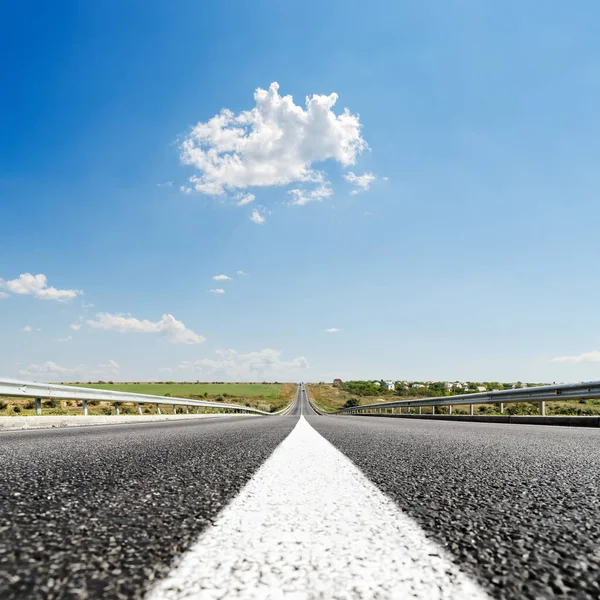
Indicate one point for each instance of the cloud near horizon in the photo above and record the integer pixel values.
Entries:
(593, 356)
(242, 366)
(52, 370)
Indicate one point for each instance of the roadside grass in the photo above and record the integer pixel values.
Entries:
(330, 398)
(270, 397)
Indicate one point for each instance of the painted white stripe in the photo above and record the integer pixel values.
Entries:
(309, 525)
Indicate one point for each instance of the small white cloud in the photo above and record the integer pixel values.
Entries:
(77, 325)
(241, 273)
(593, 356)
(368, 214)
(217, 291)
(85, 305)
(275, 143)
(65, 339)
(302, 197)
(332, 330)
(165, 184)
(185, 190)
(168, 325)
(386, 178)
(37, 285)
(361, 182)
(244, 199)
(4, 295)
(29, 329)
(221, 278)
(256, 217)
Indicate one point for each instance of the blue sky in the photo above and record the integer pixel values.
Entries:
(464, 245)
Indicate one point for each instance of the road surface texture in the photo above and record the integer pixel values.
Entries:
(261, 507)
(100, 512)
(517, 506)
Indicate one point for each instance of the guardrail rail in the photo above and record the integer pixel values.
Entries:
(539, 395)
(38, 391)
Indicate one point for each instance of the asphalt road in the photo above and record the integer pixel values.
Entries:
(100, 512)
(103, 512)
(517, 506)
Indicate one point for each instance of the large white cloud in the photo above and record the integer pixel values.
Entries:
(167, 325)
(37, 285)
(243, 366)
(593, 356)
(275, 143)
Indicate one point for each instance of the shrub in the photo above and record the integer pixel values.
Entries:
(50, 403)
(3, 404)
(351, 403)
(17, 409)
(106, 410)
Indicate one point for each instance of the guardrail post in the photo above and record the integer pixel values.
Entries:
(174, 409)
(187, 410)
(420, 410)
(157, 409)
(450, 410)
(543, 408)
(117, 409)
(433, 410)
(84, 408)
(501, 408)
(471, 409)
(38, 406)
(139, 408)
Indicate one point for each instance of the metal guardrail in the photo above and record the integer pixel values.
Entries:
(540, 394)
(25, 389)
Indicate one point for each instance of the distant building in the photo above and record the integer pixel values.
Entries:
(481, 388)
(337, 381)
(390, 385)
(376, 383)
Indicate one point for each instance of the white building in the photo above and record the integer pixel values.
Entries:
(390, 385)
(481, 388)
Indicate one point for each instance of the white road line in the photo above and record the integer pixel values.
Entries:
(310, 525)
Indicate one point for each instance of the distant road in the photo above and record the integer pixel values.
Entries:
(226, 507)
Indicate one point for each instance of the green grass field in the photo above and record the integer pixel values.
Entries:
(267, 391)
